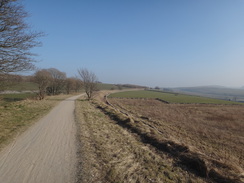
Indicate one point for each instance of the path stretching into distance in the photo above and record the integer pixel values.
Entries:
(46, 152)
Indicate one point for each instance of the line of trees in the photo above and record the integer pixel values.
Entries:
(53, 82)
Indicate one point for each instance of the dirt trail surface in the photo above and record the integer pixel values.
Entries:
(46, 152)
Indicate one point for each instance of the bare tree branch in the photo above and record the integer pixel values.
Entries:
(43, 79)
(89, 82)
(57, 82)
(16, 39)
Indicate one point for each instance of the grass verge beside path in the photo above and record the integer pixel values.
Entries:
(17, 116)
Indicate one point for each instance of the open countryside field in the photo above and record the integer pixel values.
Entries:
(208, 140)
(106, 86)
(22, 86)
(11, 97)
(170, 97)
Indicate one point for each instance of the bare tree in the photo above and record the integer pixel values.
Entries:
(78, 84)
(16, 39)
(73, 84)
(43, 79)
(70, 85)
(89, 82)
(57, 82)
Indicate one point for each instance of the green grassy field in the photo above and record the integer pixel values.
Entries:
(23, 86)
(13, 97)
(105, 86)
(171, 97)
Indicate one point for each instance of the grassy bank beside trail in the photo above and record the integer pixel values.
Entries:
(17, 113)
(171, 97)
(110, 152)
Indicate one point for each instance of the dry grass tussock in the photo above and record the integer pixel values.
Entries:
(212, 133)
(111, 152)
(15, 117)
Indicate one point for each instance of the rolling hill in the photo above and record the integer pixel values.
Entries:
(233, 94)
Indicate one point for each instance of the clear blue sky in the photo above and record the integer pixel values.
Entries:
(166, 43)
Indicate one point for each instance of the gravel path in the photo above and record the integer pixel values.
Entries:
(46, 152)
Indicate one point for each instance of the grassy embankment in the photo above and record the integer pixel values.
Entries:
(213, 134)
(19, 111)
(112, 152)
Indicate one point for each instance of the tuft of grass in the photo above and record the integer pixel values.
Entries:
(170, 97)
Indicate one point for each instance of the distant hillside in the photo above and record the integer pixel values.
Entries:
(106, 86)
(132, 86)
(214, 92)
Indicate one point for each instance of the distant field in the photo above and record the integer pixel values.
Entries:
(214, 92)
(23, 86)
(170, 97)
(15, 97)
(104, 86)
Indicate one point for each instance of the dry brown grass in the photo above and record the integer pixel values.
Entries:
(215, 133)
(111, 152)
